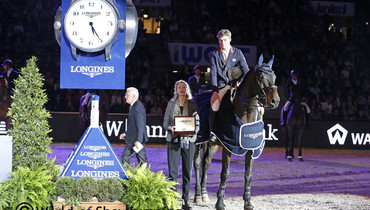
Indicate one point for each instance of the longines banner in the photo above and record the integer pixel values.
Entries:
(93, 45)
(198, 54)
(94, 157)
(321, 134)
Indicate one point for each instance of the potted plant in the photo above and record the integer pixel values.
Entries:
(26, 187)
(87, 192)
(110, 189)
(33, 178)
(146, 189)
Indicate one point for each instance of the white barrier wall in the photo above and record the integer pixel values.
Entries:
(6, 156)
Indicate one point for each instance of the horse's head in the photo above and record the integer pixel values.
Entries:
(265, 76)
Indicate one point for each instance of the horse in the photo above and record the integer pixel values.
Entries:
(85, 112)
(295, 126)
(256, 90)
(5, 101)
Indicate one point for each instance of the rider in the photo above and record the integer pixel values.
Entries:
(221, 61)
(295, 91)
(9, 74)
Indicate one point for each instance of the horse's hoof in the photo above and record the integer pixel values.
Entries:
(220, 204)
(248, 207)
(198, 199)
(205, 198)
(289, 158)
(220, 207)
(300, 158)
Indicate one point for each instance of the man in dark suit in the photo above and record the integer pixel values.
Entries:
(196, 81)
(9, 74)
(135, 135)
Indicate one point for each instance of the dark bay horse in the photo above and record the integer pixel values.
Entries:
(5, 101)
(295, 127)
(256, 90)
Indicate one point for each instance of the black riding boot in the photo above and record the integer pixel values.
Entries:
(307, 120)
(283, 116)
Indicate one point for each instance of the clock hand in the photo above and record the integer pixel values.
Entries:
(93, 30)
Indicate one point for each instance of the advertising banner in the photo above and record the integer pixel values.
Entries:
(94, 157)
(198, 54)
(334, 8)
(321, 134)
(92, 45)
(152, 3)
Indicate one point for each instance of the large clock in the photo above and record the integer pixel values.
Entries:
(93, 25)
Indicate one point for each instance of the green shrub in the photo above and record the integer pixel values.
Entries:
(149, 190)
(31, 143)
(4, 200)
(110, 189)
(87, 188)
(66, 187)
(33, 187)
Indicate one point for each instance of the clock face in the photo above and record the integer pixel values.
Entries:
(90, 25)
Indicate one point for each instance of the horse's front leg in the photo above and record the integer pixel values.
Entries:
(210, 150)
(300, 133)
(198, 156)
(248, 179)
(291, 144)
(226, 157)
(286, 140)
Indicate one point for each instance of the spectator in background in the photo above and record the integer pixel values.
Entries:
(196, 81)
(156, 109)
(9, 74)
(116, 103)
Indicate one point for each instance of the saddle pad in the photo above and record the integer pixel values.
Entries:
(251, 135)
(257, 152)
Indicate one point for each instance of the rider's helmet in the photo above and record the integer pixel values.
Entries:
(293, 73)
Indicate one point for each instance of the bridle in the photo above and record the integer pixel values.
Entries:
(262, 96)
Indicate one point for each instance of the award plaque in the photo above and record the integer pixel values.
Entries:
(184, 126)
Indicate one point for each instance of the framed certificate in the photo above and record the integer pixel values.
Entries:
(184, 126)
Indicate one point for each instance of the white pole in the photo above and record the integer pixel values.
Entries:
(94, 119)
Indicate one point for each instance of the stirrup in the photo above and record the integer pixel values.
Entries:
(213, 137)
(232, 94)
